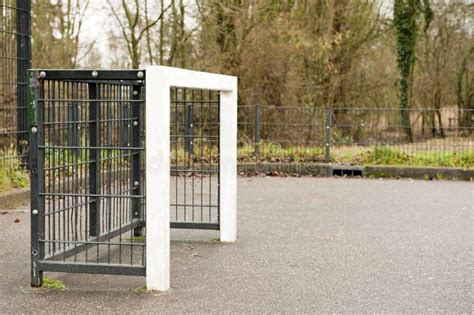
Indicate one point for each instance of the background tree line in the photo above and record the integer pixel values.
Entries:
(407, 54)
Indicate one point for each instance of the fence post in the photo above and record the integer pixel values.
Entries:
(137, 182)
(327, 157)
(94, 169)
(257, 132)
(36, 163)
(188, 129)
(23, 61)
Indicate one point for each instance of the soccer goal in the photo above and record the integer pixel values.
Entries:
(217, 131)
(120, 157)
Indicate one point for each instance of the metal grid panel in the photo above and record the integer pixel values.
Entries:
(272, 128)
(195, 159)
(434, 132)
(87, 165)
(15, 59)
(321, 134)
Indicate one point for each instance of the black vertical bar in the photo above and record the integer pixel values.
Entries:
(188, 129)
(328, 136)
(94, 170)
(36, 181)
(125, 125)
(73, 133)
(23, 42)
(136, 157)
(257, 132)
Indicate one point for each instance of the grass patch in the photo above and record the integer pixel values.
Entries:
(135, 238)
(359, 155)
(53, 284)
(12, 175)
(143, 290)
(275, 153)
(139, 290)
(387, 156)
(215, 241)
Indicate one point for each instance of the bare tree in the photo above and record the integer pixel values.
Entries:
(136, 26)
(58, 24)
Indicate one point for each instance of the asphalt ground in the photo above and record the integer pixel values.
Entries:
(305, 245)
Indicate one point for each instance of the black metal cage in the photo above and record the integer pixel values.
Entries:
(87, 168)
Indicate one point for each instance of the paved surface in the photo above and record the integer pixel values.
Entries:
(305, 245)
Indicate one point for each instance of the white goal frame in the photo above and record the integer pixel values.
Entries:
(159, 81)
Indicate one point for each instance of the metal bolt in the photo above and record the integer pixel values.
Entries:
(136, 183)
(35, 211)
(95, 74)
(136, 213)
(34, 129)
(42, 74)
(135, 93)
(135, 123)
(140, 74)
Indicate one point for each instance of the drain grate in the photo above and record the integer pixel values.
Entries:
(347, 171)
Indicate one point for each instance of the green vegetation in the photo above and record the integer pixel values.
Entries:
(387, 156)
(11, 173)
(139, 290)
(53, 284)
(405, 21)
(379, 155)
(135, 238)
(274, 153)
(143, 290)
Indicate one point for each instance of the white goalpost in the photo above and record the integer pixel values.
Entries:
(158, 84)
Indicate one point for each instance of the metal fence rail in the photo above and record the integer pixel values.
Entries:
(15, 59)
(306, 134)
(87, 168)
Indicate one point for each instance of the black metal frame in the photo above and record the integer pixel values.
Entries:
(86, 193)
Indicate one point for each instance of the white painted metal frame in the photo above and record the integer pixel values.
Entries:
(159, 80)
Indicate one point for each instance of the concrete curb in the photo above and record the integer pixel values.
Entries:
(427, 173)
(14, 199)
(319, 169)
